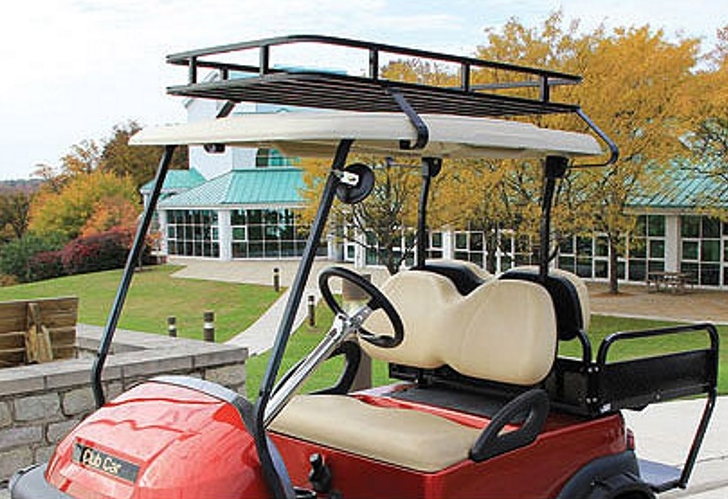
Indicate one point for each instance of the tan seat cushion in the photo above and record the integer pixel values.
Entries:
(502, 331)
(403, 437)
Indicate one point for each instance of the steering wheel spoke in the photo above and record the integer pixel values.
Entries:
(377, 300)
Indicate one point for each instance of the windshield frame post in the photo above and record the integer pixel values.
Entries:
(131, 262)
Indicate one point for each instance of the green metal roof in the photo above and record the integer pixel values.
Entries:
(254, 186)
(684, 187)
(177, 180)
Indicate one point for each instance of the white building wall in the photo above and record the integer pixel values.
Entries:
(672, 243)
(212, 165)
(225, 235)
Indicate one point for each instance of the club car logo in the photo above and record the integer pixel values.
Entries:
(97, 460)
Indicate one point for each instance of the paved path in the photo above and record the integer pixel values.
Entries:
(260, 336)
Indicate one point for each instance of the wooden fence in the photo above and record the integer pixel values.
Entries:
(37, 330)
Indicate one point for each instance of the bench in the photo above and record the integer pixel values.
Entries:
(675, 282)
(38, 330)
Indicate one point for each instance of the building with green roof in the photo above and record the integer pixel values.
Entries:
(247, 206)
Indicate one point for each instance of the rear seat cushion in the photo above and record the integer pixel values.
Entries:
(404, 437)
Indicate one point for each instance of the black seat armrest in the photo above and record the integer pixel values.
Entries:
(493, 442)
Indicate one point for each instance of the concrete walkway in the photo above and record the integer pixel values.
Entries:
(260, 336)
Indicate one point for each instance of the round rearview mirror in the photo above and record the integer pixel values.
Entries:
(356, 193)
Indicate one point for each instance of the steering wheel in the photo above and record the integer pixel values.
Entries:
(376, 301)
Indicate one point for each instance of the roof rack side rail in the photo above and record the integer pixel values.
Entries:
(192, 59)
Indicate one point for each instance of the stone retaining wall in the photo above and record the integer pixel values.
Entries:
(39, 404)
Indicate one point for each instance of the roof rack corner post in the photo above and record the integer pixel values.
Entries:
(266, 456)
(192, 70)
(131, 263)
(465, 72)
(374, 63)
(264, 59)
(544, 88)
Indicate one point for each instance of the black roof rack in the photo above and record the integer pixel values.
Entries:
(319, 88)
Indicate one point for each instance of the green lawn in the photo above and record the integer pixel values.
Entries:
(153, 296)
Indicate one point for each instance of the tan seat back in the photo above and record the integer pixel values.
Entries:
(502, 331)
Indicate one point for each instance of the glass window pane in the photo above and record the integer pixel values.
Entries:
(237, 217)
(637, 270)
(637, 247)
(601, 246)
(656, 225)
(709, 274)
(584, 246)
(710, 251)
(656, 266)
(238, 233)
(584, 267)
(690, 250)
(711, 227)
(461, 240)
(436, 240)
(601, 268)
(476, 241)
(690, 226)
(657, 248)
(255, 233)
(566, 263)
(255, 216)
(692, 269)
(566, 245)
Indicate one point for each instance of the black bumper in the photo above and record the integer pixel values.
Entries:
(30, 483)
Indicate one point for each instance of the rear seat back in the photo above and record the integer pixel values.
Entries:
(568, 293)
(503, 331)
(466, 276)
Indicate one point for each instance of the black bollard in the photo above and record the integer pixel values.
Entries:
(208, 331)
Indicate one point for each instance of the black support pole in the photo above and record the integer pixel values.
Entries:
(430, 168)
(554, 168)
(271, 466)
(131, 262)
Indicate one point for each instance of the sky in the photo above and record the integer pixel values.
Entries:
(70, 70)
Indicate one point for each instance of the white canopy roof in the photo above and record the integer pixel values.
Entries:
(307, 134)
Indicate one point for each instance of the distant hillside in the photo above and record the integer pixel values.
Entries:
(20, 185)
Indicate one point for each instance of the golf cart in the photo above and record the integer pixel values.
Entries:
(484, 405)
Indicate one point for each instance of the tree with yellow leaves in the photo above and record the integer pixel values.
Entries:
(635, 86)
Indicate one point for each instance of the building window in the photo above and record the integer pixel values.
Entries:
(193, 233)
(272, 157)
(470, 246)
(435, 244)
(376, 255)
(585, 256)
(701, 249)
(272, 233)
(646, 247)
